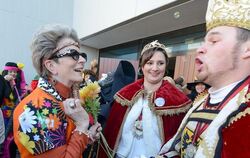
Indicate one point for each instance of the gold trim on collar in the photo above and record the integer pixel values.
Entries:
(125, 102)
(243, 99)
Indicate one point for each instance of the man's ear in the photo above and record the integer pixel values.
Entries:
(50, 66)
(246, 49)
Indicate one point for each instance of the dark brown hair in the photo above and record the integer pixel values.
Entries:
(147, 55)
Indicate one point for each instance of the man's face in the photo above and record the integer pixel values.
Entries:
(217, 58)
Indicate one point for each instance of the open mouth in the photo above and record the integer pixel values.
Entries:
(79, 70)
(198, 64)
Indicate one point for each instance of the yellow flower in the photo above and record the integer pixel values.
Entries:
(24, 139)
(90, 98)
(45, 111)
(90, 91)
(34, 130)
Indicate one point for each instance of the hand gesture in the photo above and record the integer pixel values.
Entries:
(95, 131)
(73, 108)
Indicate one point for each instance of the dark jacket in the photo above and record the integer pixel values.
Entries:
(123, 75)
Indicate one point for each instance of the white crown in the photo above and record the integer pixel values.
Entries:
(154, 44)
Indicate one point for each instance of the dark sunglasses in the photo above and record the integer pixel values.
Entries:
(74, 54)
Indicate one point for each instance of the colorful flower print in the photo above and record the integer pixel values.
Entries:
(25, 140)
(27, 120)
(53, 122)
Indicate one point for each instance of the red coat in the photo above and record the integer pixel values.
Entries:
(236, 137)
(171, 113)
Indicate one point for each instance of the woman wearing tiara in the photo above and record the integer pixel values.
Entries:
(146, 113)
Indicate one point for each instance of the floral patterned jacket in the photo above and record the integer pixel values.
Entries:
(42, 128)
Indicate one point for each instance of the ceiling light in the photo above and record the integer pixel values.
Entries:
(177, 15)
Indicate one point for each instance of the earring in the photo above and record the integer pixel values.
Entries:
(53, 82)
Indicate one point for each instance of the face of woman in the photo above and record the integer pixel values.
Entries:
(12, 73)
(68, 69)
(154, 69)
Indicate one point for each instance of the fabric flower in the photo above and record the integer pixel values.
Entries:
(27, 120)
(45, 111)
(53, 122)
(41, 120)
(25, 140)
(36, 137)
(47, 103)
(34, 130)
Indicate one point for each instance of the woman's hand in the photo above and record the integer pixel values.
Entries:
(95, 131)
(8, 77)
(73, 108)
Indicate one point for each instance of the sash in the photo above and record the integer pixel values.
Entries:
(211, 141)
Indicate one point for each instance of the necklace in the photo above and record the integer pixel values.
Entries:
(138, 128)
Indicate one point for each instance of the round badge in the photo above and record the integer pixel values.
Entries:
(159, 101)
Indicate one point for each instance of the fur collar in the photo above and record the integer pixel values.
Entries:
(48, 88)
(175, 101)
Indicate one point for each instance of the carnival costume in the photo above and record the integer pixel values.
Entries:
(13, 91)
(10, 96)
(163, 111)
(217, 124)
(42, 124)
(222, 126)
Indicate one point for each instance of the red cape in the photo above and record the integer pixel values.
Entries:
(171, 113)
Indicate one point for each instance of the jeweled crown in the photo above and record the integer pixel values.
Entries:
(154, 44)
(228, 13)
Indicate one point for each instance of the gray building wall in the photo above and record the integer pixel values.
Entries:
(19, 19)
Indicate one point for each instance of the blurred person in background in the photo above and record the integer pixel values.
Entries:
(3, 85)
(180, 83)
(13, 89)
(2, 128)
(94, 69)
(89, 75)
(14, 74)
(196, 88)
(2, 131)
(122, 76)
